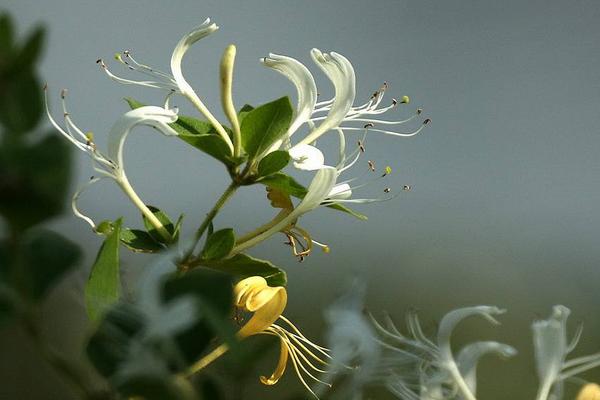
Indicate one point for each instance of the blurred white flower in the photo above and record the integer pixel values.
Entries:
(435, 372)
(111, 164)
(551, 348)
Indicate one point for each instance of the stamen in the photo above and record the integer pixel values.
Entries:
(406, 188)
(387, 190)
(371, 165)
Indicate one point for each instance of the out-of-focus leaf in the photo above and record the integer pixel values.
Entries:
(30, 52)
(8, 304)
(262, 126)
(209, 390)
(273, 162)
(103, 287)
(164, 219)
(218, 245)
(214, 295)
(246, 108)
(6, 38)
(154, 386)
(242, 265)
(140, 241)
(46, 258)
(109, 345)
(34, 181)
(20, 102)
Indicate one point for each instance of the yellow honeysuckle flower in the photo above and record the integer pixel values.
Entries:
(591, 391)
(266, 304)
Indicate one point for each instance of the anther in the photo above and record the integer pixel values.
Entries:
(361, 146)
(394, 102)
(405, 100)
(406, 188)
(126, 52)
(66, 114)
(387, 171)
(428, 120)
(369, 125)
(387, 190)
(45, 86)
(371, 165)
(63, 93)
(101, 62)
(419, 111)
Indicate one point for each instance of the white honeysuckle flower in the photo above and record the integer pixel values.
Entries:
(551, 348)
(174, 82)
(307, 157)
(111, 164)
(440, 375)
(339, 112)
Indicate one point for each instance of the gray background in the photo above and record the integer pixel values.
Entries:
(505, 182)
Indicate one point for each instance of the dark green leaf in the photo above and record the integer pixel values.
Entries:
(214, 294)
(264, 125)
(164, 220)
(210, 389)
(273, 162)
(20, 101)
(34, 181)
(8, 304)
(109, 345)
(244, 111)
(46, 258)
(219, 244)
(177, 228)
(32, 49)
(140, 241)
(104, 284)
(243, 265)
(6, 38)
(284, 183)
(152, 385)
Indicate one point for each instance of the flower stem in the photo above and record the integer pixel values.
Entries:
(128, 190)
(227, 194)
(206, 360)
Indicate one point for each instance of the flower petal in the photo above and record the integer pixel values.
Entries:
(307, 157)
(469, 357)
(254, 295)
(280, 369)
(341, 73)
(205, 29)
(301, 77)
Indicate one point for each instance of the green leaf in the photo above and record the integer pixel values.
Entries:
(243, 265)
(104, 284)
(153, 385)
(218, 245)
(264, 125)
(164, 220)
(140, 241)
(213, 292)
(46, 258)
(20, 101)
(6, 37)
(133, 103)
(34, 181)
(8, 304)
(284, 183)
(32, 49)
(273, 162)
(109, 345)
(342, 208)
(246, 108)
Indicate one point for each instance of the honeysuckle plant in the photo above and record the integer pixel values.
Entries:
(255, 145)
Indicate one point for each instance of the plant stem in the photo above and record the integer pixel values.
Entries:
(137, 201)
(233, 186)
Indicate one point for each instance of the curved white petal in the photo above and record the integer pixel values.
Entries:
(156, 117)
(469, 356)
(307, 157)
(341, 74)
(550, 347)
(301, 77)
(340, 192)
(182, 47)
(318, 190)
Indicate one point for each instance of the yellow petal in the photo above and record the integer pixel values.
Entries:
(278, 373)
(591, 391)
(254, 295)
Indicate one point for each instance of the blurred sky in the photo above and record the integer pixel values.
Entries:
(505, 181)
